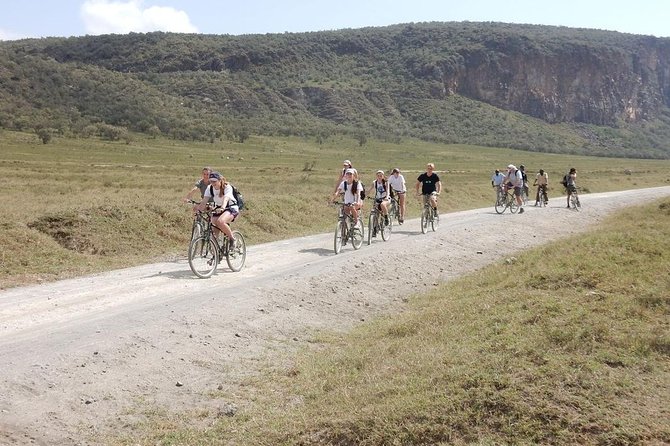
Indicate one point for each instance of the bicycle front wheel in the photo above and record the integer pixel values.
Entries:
(237, 254)
(371, 227)
(203, 256)
(197, 230)
(424, 219)
(339, 229)
(500, 205)
(435, 222)
(357, 234)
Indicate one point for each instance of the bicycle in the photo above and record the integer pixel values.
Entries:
(574, 200)
(205, 251)
(347, 229)
(508, 201)
(377, 224)
(429, 216)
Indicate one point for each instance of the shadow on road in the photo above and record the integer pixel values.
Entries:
(320, 251)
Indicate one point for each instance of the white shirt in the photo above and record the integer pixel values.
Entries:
(498, 179)
(397, 183)
(349, 196)
(218, 199)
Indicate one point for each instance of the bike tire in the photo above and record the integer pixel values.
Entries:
(237, 255)
(513, 207)
(357, 234)
(338, 237)
(424, 220)
(197, 230)
(500, 206)
(435, 221)
(371, 227)
(574, 202)
(203, 256)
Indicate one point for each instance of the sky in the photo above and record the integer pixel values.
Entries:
(64, 18)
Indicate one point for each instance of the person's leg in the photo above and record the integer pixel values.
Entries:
(224, 223)
(401, 205)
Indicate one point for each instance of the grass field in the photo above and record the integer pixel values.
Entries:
(77, 206)
(568, 345)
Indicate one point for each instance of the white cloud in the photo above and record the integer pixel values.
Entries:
(122, 17)
(10, 35)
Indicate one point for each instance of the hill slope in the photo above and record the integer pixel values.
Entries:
(530, 87)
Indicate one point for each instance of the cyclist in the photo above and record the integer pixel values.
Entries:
(514, 179)
(541, 181)
(351, 188)
(346, 164)
(524, 177)
(380, 188)
(430, 184)
(398, 188)
(496, 181)
(200, 185)
(571, 183)
(226, 210)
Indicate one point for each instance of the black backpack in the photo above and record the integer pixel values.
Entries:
(565, 180)
(238, 197)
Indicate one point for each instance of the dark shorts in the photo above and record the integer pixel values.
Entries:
(517, 190)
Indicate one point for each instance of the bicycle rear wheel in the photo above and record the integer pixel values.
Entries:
(357, 234)
(574, 203)
(203, 256)
(237, 254)
(386, 228)
(338, 237)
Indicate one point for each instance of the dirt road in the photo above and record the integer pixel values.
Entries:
(85, 356)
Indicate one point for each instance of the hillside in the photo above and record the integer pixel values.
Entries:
(538, 88)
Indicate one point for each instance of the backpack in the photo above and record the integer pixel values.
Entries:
(565, 180)
(238, 197)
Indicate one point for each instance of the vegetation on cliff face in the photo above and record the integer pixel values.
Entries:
(529, 87)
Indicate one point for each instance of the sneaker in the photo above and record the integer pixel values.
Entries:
(536, 204)
(401, 221)
(521, 211)
(386, 220)
(374, 233)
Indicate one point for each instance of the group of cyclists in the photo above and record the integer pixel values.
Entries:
(215, 189)
(382, 189)
(517, 179)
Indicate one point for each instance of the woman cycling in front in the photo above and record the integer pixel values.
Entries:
(226, 209)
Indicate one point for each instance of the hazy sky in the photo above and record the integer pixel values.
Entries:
(40, 18)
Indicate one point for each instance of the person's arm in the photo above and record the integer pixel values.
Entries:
(188, 195)
(338, 191)
(438, 187)
(416, 187)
